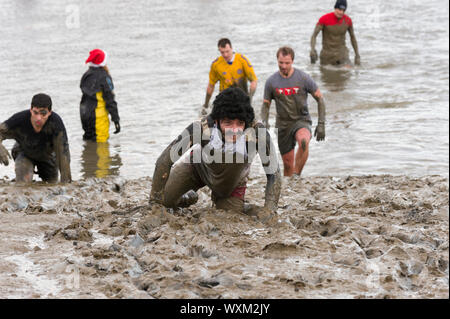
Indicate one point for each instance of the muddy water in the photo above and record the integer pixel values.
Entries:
(339, 232)
(388, 116)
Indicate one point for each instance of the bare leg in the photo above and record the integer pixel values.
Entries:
(288, 163)
(303, 136)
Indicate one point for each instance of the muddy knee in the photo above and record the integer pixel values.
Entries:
(24, 169)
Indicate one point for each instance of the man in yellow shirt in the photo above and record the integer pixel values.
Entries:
(232, 70)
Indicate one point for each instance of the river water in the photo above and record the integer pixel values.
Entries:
(389, 116)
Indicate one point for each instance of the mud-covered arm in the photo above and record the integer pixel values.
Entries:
(319, 132)
(209, 93)
(61, 148)
(351, 31)
(318, 96)
(253, 86)
(170, 155)
(4, 134)
(110, 101)
(265, 112)
(269, 160)
(313, 53)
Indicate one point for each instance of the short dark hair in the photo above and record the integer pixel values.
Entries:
(233, 103)
(286, 51)
(223, 43)
(41, 100)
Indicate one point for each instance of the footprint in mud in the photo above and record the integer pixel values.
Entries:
(78, 230)
(280, 250)
(201, 251)
(373, 253)
(398, 253)
(348, 260)
(331, 227)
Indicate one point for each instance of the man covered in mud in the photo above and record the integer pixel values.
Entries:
(232, 70)
(289, 87)
(41, 142)
(334, 27)
(224, 144)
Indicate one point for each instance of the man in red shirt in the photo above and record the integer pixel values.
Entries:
(334, 27)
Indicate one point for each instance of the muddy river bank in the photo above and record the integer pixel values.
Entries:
(348, 237)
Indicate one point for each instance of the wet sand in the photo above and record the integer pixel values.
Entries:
(349, 237)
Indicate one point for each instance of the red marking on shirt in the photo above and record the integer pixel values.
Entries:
(288, 91)
(239, 192)
(331, 19)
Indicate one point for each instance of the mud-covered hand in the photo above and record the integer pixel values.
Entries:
(117, 125)
(205, 109)
(267, 216)
(4, 155)
(313, 56)
(357, 60)
(319, 132)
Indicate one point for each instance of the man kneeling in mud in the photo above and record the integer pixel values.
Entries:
(41, 142)
(224, 145)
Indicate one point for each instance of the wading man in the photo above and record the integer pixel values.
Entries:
(41, 142)
(289, 87)
(334, 27)
(232, 70)
(225, 143)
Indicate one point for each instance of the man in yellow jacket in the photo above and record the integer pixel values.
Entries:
(232, 70)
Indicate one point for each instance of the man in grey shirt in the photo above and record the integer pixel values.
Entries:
(289, 87)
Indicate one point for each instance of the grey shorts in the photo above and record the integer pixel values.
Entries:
(286, 137)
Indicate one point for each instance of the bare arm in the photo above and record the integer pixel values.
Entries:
(354, 45)
(62, 152)
(313, 52)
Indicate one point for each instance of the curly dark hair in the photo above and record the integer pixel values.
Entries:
(233, 103)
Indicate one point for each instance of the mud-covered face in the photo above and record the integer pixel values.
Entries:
(339, 13)
(285, 64)
(231, 129)
(226, 52)
(39, 116)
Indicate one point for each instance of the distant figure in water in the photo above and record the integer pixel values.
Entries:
(41, 143)
(289, 87)
(232, 69)
(98, 99)
(224, 145)
(334, 27)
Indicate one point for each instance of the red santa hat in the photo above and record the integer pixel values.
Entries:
(97, 58)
